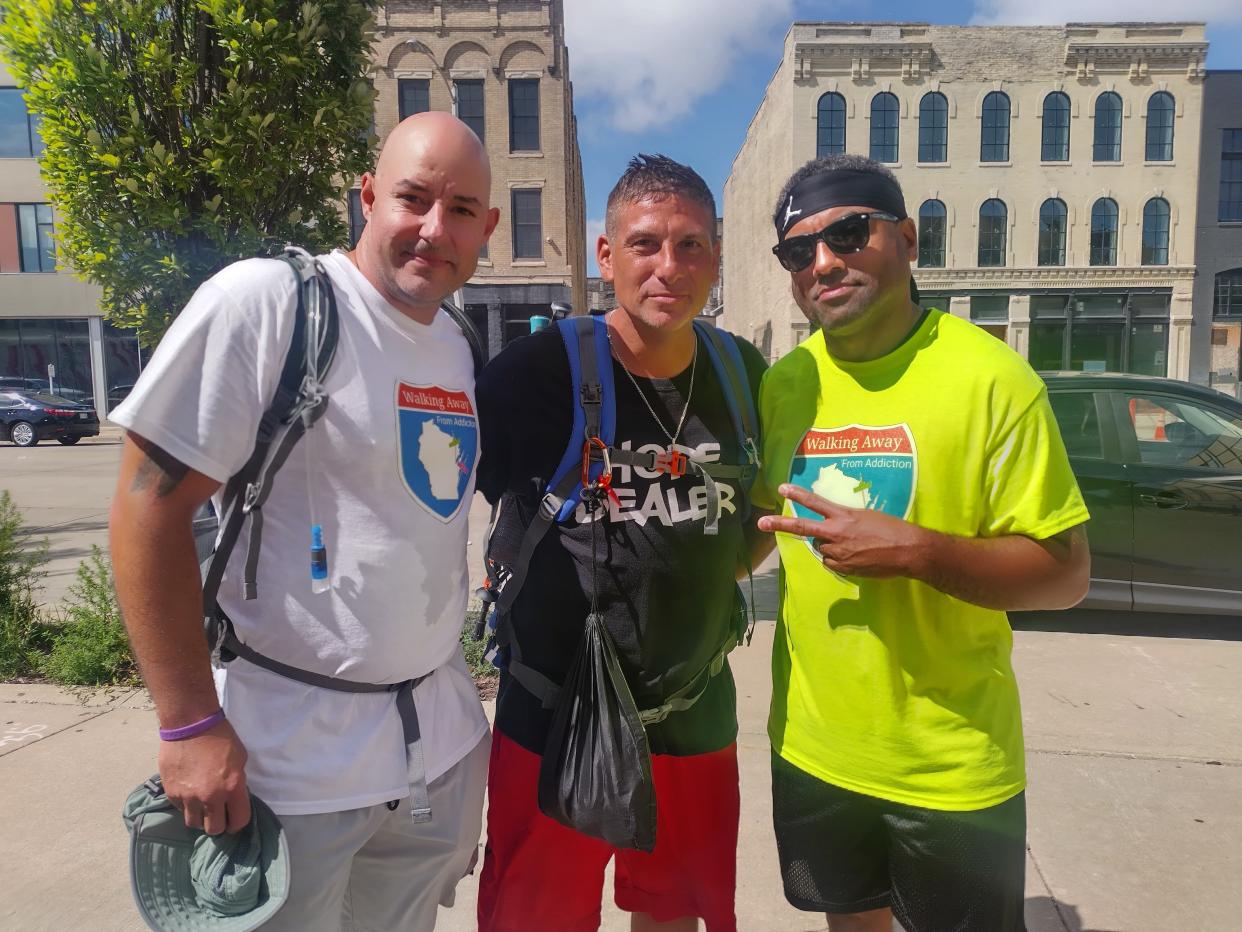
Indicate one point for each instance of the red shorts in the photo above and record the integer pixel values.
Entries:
(539, 875)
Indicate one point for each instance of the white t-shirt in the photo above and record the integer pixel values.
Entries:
(392, 462)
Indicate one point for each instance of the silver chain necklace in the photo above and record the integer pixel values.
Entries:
(681, 421)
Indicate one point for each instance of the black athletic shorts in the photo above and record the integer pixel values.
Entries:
(842, 852)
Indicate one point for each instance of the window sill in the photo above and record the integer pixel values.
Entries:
(1117, 164)
(1229, 223)
(1162, 163)
(529, 263)
(995, 164)
(931, 165)
(525, 154)
(1055, 163)
(485, 263)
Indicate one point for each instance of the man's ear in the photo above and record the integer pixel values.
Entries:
(603, 256)
(366, 194)
(493, 218)
(910, 236)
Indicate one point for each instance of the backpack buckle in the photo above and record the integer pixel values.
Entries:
(673, 462)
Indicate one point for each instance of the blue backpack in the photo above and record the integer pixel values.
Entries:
(584, 473)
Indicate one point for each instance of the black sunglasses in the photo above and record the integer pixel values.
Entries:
(844, 237)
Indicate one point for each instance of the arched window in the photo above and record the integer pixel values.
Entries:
(831, 135)
(885, 112)
(1227, 303)
(1156, 232)
(1052, 224)
(932, 223)
(994, 139)
(1160, 109)
(1107, 143)
(933, 128)
(1104, 232)
(1056, 134)
(993, 226)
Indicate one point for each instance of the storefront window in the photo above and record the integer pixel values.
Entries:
(28, 347)
(122, 362)
(1100, 332)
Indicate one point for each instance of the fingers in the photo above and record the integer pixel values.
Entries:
(237, 809)
(810, 500)
(790, 524)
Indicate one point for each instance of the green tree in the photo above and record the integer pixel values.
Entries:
(181, 135)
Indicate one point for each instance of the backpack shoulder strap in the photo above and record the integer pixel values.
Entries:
(595, 416)
(731, 371)
(297, 403)
(592, 398)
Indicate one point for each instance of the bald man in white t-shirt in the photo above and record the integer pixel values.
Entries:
(331, 764)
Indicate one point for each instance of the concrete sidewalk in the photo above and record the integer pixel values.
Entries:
(1134, 736)
(1135, 756)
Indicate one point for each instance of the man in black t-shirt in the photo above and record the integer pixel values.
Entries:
(664, 588)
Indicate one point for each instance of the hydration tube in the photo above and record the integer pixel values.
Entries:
(312, 388)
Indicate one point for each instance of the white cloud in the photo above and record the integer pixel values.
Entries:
(650, 61)
(1023, 12)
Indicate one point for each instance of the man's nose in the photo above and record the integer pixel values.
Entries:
(668, 265)
(433, 222)
(826, 261)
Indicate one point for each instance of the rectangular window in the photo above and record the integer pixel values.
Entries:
(413, 96)
(524, 115)
(1231, 176)
(989, 308)
(528, 224)
(34, 234)
(470, 105)
(19, 129)
(356, 220)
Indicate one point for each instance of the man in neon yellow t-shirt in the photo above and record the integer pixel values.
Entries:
(923, 490)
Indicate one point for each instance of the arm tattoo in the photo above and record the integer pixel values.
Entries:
(157, 469)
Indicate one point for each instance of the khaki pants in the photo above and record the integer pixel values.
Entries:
(374, 869)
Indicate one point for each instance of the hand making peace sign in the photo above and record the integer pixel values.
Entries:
(853, 541)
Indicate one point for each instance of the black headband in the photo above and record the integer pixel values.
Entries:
(840, 187)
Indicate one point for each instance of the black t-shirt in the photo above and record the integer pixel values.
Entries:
(666, 590)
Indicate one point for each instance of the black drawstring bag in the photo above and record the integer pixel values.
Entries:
(596, 772)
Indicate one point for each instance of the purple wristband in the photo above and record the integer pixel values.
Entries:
(194, 728)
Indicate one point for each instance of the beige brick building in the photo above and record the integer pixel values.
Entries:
(1053, 172)
(1217, 350)
(502, 66)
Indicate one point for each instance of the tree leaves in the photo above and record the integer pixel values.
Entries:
(181, 135)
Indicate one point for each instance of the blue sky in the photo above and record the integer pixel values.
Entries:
(684, 77)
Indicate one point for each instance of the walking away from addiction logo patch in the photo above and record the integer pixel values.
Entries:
(859, 467)
(438, 443)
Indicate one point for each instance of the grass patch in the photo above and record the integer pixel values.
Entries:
(89, 646)
(486, 677)
(24, 637)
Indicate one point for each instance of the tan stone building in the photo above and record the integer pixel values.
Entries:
(1217, 350)
(502, 66)
(1053, 173)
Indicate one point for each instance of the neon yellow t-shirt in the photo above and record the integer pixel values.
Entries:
(890, 687)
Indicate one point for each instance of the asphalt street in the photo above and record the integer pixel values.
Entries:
(1133, 732)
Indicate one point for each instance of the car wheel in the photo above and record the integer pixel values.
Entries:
(68, 441)
(23, 434)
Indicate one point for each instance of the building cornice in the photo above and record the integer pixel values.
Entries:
(857, 59)
(1085, 59)
(1164, 276)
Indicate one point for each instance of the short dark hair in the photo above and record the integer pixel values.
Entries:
(821, 166)
(647, 177)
